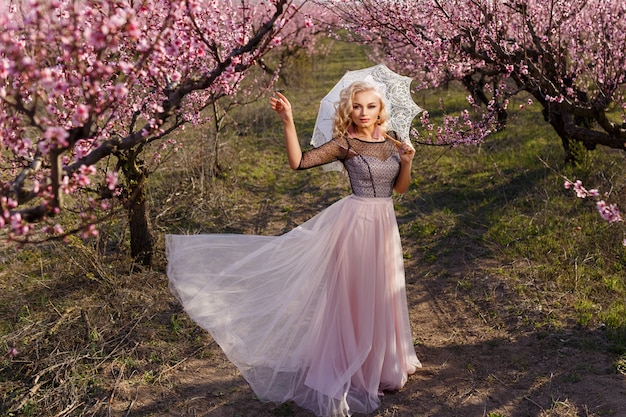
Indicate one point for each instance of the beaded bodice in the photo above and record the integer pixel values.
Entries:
(372, 166)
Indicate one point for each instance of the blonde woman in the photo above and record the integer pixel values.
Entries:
(318, 315)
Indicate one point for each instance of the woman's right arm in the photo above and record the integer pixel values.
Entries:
(281, 105)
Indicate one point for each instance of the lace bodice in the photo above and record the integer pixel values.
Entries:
(372, 166)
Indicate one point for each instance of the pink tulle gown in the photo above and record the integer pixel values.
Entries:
(318, 315)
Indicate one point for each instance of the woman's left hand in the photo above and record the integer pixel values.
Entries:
(406, 151)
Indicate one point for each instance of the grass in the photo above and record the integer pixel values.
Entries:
(543, 260)
(86, 320)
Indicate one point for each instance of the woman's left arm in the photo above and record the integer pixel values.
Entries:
(407, 152)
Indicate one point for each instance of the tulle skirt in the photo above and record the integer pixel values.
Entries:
(317, 316)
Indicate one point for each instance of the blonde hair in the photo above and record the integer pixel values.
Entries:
(343, 118)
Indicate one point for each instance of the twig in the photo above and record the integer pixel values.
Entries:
(32, 391)
(65, 316)
(532, 402)
(69, 408)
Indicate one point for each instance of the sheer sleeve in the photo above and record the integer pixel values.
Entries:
(333, 150)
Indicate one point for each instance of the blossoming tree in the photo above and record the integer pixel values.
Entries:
(86, 86)
(569, 56)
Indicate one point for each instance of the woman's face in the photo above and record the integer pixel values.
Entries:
(365, 109)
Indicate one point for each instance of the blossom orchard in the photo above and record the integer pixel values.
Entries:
(568, 56)
(83, 81)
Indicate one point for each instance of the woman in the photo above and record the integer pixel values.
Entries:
(318, 315)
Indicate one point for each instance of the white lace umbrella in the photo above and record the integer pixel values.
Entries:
(396, 90)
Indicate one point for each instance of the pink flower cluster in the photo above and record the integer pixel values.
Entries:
(581, 192)
(80, 81)
(609, 212)
(466, 129)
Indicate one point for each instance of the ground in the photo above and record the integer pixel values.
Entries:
(477, 360)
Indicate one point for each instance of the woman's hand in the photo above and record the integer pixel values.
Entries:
(403, 180)
(281, 105)
(406, 151)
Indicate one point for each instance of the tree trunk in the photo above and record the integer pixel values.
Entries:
(554, 116)
(141, 242)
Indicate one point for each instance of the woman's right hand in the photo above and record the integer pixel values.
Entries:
(281, 105)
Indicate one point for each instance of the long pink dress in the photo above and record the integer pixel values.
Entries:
(318, 315)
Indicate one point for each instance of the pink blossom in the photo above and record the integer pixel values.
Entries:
(118, 19)
(82, 176)
(57, 136)
(609, 213)
(96, 38)
(47, 78)
(242, 38)
(87, 169)
(105, 204)
(524, 69)
(4, 68)
(89, 231)
(120, 90)
(175, 77)
(143, 45)
(12, 352)
(80, 115)
(579, 189)
(133, 29)
(111, 180)
(65, 185)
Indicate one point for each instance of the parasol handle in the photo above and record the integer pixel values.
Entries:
(397, 142)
